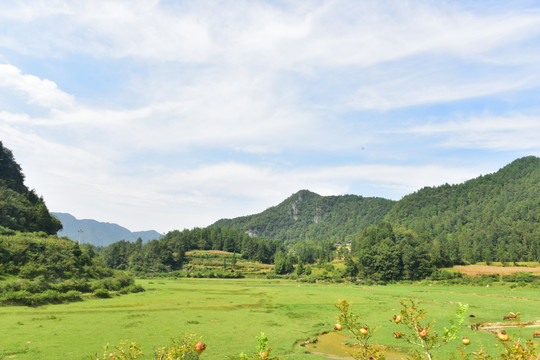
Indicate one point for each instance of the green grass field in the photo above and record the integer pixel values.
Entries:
(228, 314)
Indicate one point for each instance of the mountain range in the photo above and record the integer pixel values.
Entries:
(99, 233)
(491, 216)
(494, 216)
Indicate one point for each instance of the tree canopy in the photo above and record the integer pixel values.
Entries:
(20, 208)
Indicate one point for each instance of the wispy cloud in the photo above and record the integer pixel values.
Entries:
(193, 111)
(414, 90)
(367, 32)
(499, 133)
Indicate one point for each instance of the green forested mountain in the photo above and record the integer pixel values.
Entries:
(20, 208)
(309, 216)
(495, 217)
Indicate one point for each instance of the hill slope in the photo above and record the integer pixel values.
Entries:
(307, 215)
(20, 208)
(492, 217)
(99, 233)
(495, 217)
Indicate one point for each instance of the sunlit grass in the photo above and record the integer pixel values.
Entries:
(229, 313)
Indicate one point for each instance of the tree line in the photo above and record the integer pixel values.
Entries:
(168, 253)
(380, 252)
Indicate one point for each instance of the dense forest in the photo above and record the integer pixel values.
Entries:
(384, 253)
(309, 216)
(168, 253)
(20, 208)
(495, 217)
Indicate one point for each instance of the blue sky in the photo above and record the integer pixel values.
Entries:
(173, 114)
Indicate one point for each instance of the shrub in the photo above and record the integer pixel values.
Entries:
(72, 295)
(133, 288)
(6, 231)
(31, 270)
(520, 277)
(80, 285)
(102, 293)
(21, 297)
(442, 274)
(46, 297)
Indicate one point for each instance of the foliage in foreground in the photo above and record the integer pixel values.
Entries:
(188, 347)
(360, 331)
(262, 351)
(509, 348)
(421, 334)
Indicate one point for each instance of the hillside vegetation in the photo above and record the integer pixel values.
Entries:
(309, 216)
(37, 267)
(44, 269)
(20, 208)
(495, 217)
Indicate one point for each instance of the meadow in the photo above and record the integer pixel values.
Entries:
(229, 313)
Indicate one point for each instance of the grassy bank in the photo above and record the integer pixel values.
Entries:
(229, 313)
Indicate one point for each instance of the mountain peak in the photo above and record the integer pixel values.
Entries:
(302, 195)
(307, 215)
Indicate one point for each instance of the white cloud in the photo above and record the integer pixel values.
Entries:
(37, 91)
(235, 111)
(358, 41)
(253, 185)
(105, 28)
(318, 33)
(498, 133)
(417, 89)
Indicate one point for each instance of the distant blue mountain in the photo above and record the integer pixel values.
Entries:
(99, 233)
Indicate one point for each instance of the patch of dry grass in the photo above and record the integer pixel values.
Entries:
(475, 270)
